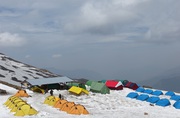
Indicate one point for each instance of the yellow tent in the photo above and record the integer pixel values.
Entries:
(38, 90)
(77, 90)
(78, 110)
(67, 106)
(15, 108)
(48, 99)
(21, 93)
(53, 101)
(14, 102)
(9, 100)
(25, 110)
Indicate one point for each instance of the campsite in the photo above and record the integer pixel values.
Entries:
(93, 100)
(90, 59)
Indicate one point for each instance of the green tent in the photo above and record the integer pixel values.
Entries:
(124, 82)
(104, 81)
(81, 85)
(89, 82)
(99, 88)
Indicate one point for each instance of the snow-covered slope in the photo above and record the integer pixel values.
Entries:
(113, 105)
(14, 72)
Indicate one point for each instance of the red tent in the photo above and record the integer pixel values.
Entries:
(131, 85)
(114, 85)
(128, 84)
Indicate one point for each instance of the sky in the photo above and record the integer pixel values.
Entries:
(118, 39)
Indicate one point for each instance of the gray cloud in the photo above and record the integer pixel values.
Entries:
(56, 55)
(111, 37)
(11, 40)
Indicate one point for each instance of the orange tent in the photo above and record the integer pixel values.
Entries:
(67, 106)
(21, 93)
(60, 103)
(78, 110)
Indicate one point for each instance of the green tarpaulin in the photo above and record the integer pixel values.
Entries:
(99, 88)
(76, 84)
(89, 82)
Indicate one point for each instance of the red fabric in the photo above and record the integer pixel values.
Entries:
(131, 85)
(135, 86)
(111, 84)
(128, 84)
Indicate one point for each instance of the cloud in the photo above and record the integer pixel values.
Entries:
(27, 56)
(143, 21)
(93, 21)
(56, 56)
(11, 40)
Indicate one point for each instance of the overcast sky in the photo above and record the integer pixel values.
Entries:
(125, 39)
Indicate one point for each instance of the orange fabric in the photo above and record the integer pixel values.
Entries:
(59, 103)
(78, 109)
(67, 106)
(21, 93)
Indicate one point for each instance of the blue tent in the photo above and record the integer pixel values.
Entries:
(140, 89)
(157, 93)
(177, 104)
(175, 97)
(132, 95)
(153, 99)
(170, 93)
(142, 97)
(163, 102)
(149, 91)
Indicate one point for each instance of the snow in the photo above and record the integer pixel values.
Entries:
(113, 105)
(12, 68)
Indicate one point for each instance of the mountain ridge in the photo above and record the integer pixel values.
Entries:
(14, 72)
(168, 80)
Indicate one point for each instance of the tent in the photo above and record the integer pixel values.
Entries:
(19, 106)
(177, 104)
(77, 90)
(103, 81)
(132, 95)
(169, 93)
(163, 102)
(132, 85)
(53, 101)
(25, 110)
(78, 110)
(67, 106)
(124, 82)
(10, 99)
(157, 93)
(89, 82)
(15, 108)
(148, 91)
(48, 99)
(60, 103)
(22, 93)
(153, 99)
(14, 102)
(99, 88)
(142, 97)
(140, 89)
(175, 97)
(81, 85)
(114, 85)
(38, 89)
